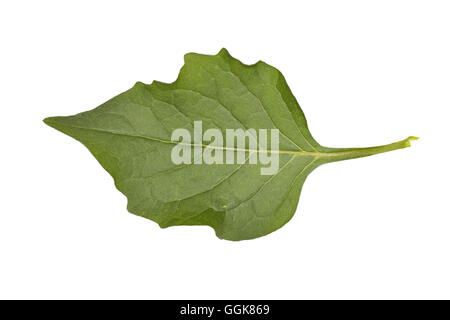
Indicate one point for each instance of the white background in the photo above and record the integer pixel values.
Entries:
(365, 73)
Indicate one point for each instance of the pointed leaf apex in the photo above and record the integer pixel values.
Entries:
(49, 121)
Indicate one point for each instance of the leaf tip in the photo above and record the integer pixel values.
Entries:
(54, 122)
(50, 121)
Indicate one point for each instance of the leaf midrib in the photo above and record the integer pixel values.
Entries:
(341, 154)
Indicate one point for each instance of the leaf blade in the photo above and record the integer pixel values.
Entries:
(130, 137)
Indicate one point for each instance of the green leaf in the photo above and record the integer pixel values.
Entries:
(130, 135)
